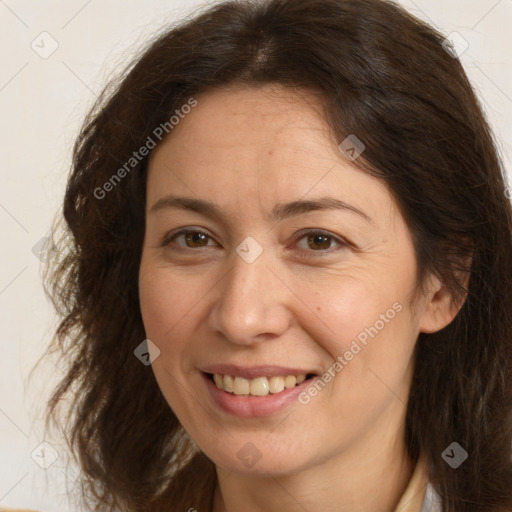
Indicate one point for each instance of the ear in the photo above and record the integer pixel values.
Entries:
(441, 307)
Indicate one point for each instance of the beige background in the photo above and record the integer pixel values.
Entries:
(42, 103)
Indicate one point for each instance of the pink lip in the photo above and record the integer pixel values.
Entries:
(252, 372)
(253, 406)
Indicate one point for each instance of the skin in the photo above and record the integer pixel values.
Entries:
(247, 149)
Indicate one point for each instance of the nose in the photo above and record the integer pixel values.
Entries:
(251, 302)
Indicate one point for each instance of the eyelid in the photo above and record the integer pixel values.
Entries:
(342, 242)
(169, 237)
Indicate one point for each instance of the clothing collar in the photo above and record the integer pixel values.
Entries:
(419, 495)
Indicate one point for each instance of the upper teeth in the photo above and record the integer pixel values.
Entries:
(261, 386)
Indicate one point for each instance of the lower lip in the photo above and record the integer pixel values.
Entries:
(247, 405)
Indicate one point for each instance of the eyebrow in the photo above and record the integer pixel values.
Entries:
(279, 212)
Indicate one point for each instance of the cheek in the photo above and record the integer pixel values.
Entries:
(168, 304)
(367, 333)
(167, 299)
(374, 359)
(342, 311)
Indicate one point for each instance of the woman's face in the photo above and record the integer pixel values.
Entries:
(269, 255)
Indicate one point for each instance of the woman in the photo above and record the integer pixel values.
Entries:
(286, 274)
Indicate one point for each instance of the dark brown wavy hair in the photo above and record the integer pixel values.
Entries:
(382, 75)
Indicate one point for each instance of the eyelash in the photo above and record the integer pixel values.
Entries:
(340, 241)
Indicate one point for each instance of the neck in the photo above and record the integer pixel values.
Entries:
(371, 475)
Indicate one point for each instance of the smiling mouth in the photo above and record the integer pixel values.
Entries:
(260, 386)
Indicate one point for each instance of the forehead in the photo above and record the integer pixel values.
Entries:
(269, 143)
(229, 121)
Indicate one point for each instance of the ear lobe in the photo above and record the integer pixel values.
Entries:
(441, 307)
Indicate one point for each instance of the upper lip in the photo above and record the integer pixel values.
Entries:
(252, 372)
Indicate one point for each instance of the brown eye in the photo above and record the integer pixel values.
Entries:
(320, 242)
(191, 239)
(196, 239)
(317, 242)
